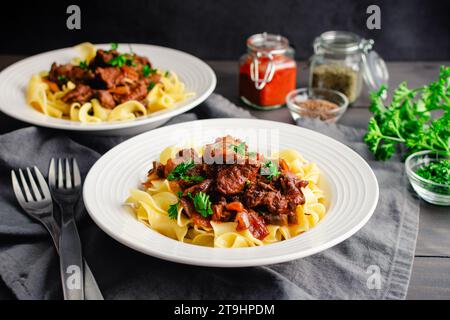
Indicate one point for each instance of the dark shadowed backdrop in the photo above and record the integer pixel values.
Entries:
(411, 29)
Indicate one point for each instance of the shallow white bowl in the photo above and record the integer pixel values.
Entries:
(196, 74)
(349, 183)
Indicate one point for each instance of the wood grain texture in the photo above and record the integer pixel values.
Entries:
(430, 277)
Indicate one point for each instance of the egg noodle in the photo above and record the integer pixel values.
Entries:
(152, 204)
(164, 95)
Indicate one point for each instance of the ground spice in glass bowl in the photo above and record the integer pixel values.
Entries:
(323, 104)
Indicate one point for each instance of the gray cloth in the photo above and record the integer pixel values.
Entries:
(29, 264)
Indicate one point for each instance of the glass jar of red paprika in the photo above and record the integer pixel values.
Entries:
(267, 72)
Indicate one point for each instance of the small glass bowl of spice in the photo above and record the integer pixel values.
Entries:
(323, 104)
(429, 175)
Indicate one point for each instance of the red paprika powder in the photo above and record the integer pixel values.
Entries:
(267, 72)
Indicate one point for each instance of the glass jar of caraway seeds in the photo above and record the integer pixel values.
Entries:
(342, 60)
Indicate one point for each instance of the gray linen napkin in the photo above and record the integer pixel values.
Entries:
(373, 264)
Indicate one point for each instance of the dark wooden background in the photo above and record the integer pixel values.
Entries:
(411, 29)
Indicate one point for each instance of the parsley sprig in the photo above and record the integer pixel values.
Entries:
(407, 120)
(146, 71)
(173, 211)
(121, 60)
(270, 169)
(202, 204)
(238, 148)
(180, 172)
(83, 65)
(62, 79)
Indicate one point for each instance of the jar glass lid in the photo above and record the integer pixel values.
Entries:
(375, 72)
(338, 42)
(268, 43)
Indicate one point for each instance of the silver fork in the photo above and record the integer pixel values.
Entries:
(38, 204)
(66, 188)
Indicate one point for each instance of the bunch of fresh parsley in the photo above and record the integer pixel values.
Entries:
(407, 122)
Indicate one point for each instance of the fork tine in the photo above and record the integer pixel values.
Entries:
(42, 183)
(76, 173)
(52, 174)
(60, 174)
(68, 175)
(17, 190)
(34, 187)
(28, 196)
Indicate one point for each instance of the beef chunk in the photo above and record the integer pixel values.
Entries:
(291, 187)
(82, 93)
(266, 196)
(138, 92)
(203, 186)
(252, 221)
(106, 99)
(223, 151)
(102, 58)
(108, 77)
(130, 75)
(60, 74)
(232, 179)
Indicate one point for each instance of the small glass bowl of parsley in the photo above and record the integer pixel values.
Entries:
(429, 175)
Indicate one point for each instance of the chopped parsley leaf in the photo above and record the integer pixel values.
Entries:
(146, 71)
(438, 172)
(239, 148)
(62, 79)
(202, 204)
(180, 172)
(83, 65)
(270, 169)
(173, 211)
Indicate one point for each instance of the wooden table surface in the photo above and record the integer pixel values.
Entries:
(431, 271)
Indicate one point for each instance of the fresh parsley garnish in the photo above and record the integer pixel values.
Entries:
(121, 60)
(438, 172)
(270, 169)
(62, 78)
(239, 148)
(180, 172)
(407, 121)
(173, 211)
(166, 74)
(146, 70)
(114, 45)
(247, 183)
(151, 85)
(202, 204)
(83, 65)
(179, 194)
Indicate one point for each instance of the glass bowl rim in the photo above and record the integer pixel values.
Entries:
(412, 174)
(291, 105)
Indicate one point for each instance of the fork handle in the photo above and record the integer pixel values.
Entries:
(91, 289)
(71, 259)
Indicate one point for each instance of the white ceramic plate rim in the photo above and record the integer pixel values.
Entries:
(76, 126)
(224, 262)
